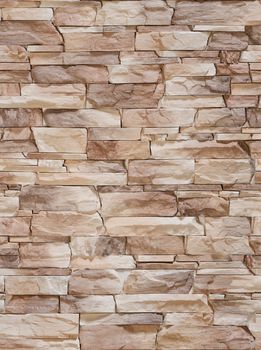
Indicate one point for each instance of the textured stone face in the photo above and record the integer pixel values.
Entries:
(130, 174)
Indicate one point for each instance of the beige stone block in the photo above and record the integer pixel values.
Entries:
(165, 172)
(113, 134)
(39, 326)
(211, 171)
(13, 53)
(27, 14)
(96, 282)
(243, 13)
(227, 284)
(208, 206)
(246, 89)
(95, 167)
(43, 101)
(188, 69)
(120, 319)
(39, 344)
(69, 74)
(103, 262)
(101, 246)
(20, 117)
(227, 227)
(118, 150)
(197, 149)
(228, 41)
(20, 178)
(53, 89)
(29, 33)
(102, 118)
(9, 206)
(44, 255)
(55, 198)
(220, 117)
(66, 224)
(176, 40)
(134, 13)
(214, 337)
(36, 285)
(188, 319)
(9, 89)
(155, 245)
(250, 56)
(121, 41)
(138, 204)
(15, 304)
(76, 15)
(157, 118)
(124, 95)
(248, 206)
(153, 227)
(257, 226)
(134, 74)
(116, 337)
(174, 102)
(162, 303)
(18, 226)
(158, 281)
(71, 140)
(90, 303)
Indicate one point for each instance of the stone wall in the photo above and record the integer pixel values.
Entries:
(130, 175)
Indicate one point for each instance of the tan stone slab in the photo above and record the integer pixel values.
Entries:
(39, 326)
(27, 14)
(248, 206)
(207, 206)
(13, 53)
(257, 226)
(231, 284)
(81, 179)
(120, 319)
(118, 150)
(102, 246)
(250, 56)
(104, 262)
(155, 245)
(134, 13)
(162, 303)
(71, 140)
(38, 344)
(99, 41)
(44, 255)
(186, 69)
(113, 134)
(9, 206)
(220, 117)
(188, 319)
(197, 149)
(102, 118)
(8, 89)
(95, 166)
(246, 89)
(242, 12)
(134, 74)
(160, 171)
(20, 117)
(18, 226)
(43, 101)
(171, 40)
(137, 204)
(66, 224)
(29, 33)
(124, 95)
(116, 337)
(53, 89)
(228, 41)
(153, 227)
(174, 102)
(157, 118)
(196, 337)
(227, 227)
(21, 178)
(76, 15)
(82, 199)
(90, 303)
(15, 304)
(36, 285)
(223, 171)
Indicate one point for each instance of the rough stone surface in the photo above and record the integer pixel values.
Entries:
(130, 174)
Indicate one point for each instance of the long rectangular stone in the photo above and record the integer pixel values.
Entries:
(247, 206)
(9, 206)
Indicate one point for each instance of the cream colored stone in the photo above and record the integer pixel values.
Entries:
(21, 178)
(137, 204)
(248, 206)
(197, 149)
(223, 171)
(134, 74)
(13, 53)
(82, 199)
(61, 140)
(27, 14)
(107, 117)
(171, 40)
(164, 172)
(90, 303)
(134, 13)
(97, 246)
(105, 262)
(186, 69)
(53, 89)
(36, 285)
(257, 226)
(9, 206)
(188, 319)
(19, 117)
(143, 226)
(120, 319)
(192, 102)
(66, 224)
(16, 304)
(113, 134)
(162, 303)
(39, 326)
(227, 227)
(44, 255)
(157, 118)
(39, 344)
(15, 226)
(43, 101)
(220, 117)
(76, 15)
(155, 245)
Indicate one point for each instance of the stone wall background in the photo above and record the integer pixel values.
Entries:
(130, 175)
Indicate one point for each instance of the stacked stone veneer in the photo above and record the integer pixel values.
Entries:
(130, 175)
